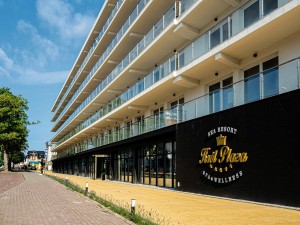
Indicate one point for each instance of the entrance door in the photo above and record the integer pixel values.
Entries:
(102, 168)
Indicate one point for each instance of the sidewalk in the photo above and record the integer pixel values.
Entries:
(40, 200)
(9, 180)
(190, 209)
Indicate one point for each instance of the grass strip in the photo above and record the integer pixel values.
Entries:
(134, 217)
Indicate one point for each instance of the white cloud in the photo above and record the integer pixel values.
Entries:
(30, 76)
(61, 16)
(22, 73)
(44, 45)
(6, 61)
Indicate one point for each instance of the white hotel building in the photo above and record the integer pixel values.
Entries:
(195, 95)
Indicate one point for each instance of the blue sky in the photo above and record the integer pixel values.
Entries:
(39, 42)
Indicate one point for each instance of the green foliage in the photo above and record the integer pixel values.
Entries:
(1, 159)
(13, 122)
(17, 156)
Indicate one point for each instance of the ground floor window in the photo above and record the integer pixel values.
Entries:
(152, 164)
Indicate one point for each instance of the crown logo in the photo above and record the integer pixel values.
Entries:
(221, 140)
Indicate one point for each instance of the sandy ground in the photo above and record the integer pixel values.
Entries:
(173, 207)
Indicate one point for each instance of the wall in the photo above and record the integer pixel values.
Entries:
(266, 132)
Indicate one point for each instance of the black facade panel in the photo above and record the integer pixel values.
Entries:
(267, 132)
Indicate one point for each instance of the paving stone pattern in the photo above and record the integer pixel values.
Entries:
(40, 200)
(9, 180)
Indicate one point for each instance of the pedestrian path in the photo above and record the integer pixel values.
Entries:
(41, 201)
(189, 209)
(9, 180)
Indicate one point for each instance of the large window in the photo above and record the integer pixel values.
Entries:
(261, 81)
(221, 95)
(227, 93)
(176, 114)
(251, 14)
(155, 164)
(251, 77)
(258, 9)
(270, 76)
(214, 98)
(158, 118)
(219, 34)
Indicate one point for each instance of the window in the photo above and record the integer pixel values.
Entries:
(176, 112)
(257, 10)
(261, 81)
(251, 14)
(270, 76)
(156, 75)
(158, 118)
(221, 95)
(219, 34)
(214, 98)
(269, 6)
(227, 93)
(140, 124)
(251, 77)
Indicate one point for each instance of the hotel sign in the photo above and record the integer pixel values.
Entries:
(222, 162)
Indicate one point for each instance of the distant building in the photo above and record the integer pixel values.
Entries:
(34, 158)
(194, 95)
(50, 155)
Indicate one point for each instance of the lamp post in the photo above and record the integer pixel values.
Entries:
(86, 187)
(133, 205)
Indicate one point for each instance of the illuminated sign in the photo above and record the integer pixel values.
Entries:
(221, 161)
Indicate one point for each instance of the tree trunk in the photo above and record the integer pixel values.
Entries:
(5, 153)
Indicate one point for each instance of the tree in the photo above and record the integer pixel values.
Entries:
(17, 156)
(13, 124)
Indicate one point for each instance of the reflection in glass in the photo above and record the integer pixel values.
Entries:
(252, 91)
(270, 76)
(251, 14)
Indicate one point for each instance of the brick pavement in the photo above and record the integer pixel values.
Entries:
(40, 200)
(9, 180)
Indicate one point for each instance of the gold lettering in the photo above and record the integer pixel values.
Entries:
(206, 158)
(223, 152)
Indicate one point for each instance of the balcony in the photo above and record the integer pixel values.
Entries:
(133, 54)
(117, 48)
(254, 88)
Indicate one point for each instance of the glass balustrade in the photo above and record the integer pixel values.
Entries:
(239, 20)
(185, 5)
(216, 35)
(140, 6)
(118, 69)
(100, 35)
(160, 72)
(235, 94)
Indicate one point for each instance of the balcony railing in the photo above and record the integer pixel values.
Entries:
(239, 20)
(287, 75)
(133, 54)
(185, 56)
(154, 76)
(139, 8)
(100, 35)
(185, 5)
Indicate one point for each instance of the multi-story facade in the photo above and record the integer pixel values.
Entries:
(196, 95)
